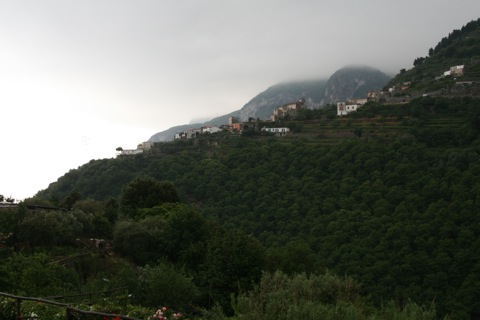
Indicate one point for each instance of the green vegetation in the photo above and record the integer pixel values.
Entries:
(387, 196)
(368, 216)
(325, 296)
(461, 47)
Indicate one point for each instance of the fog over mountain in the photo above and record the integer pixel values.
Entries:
(90, 76)
(348, 82)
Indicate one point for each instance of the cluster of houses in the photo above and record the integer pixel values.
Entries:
(388, 96)
(195, 132)
(289, 109)
(350, 105)
(234, 125)
(345, 107)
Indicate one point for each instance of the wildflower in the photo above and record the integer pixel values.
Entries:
(159, 314)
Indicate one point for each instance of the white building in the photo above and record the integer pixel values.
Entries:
(181, 135)
(147, 145)
(344, 108)
(277, 131)
(457, 70)
(130, 152)
(141, 147)
(192, 133)
(210, 129)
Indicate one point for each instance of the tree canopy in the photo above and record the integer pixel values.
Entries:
(145, 192)
(393, 208)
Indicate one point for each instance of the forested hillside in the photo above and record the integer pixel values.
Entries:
(393, 204)
(460, 47)
(373, 215)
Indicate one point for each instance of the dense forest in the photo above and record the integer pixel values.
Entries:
(373, 215)
(380, 223)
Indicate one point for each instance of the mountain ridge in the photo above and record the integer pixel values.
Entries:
(357, 81)
(351, 81)
(460, 47)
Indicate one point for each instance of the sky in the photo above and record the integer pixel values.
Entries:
(79, 78)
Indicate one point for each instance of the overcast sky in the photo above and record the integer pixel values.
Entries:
(79, 78)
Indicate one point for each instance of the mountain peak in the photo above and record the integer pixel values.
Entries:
(353, 81)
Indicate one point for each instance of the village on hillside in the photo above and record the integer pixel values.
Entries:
(234, 126)
(394, 95)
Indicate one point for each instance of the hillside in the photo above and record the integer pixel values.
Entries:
(167, 135)
(460, 47)
(423, 118)
(387, 195)
(261, 106)
(347, 82)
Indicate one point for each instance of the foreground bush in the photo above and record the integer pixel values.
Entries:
(282, 297)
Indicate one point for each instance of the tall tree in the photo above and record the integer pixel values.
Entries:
(234, 261)
(146, 192)
(71, 199)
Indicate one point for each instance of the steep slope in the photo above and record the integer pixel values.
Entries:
(394, 206)
(262, 105)
(348, 82)
(461, 47)
(391, 206)
(167, 135)
(353, 82)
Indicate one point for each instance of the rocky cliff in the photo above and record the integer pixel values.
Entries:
(353, 82)
(262, 105)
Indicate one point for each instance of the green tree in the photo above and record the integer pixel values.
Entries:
(295, 257)
(49, 228)
(71, 199)
(96, 222)
(145, 192)
(324, 296)
(139, 241)
(111, 209)
(36, 275)
(234, 262)
(185, 235)
(418, 61)
(164, 285)
(90, 206)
